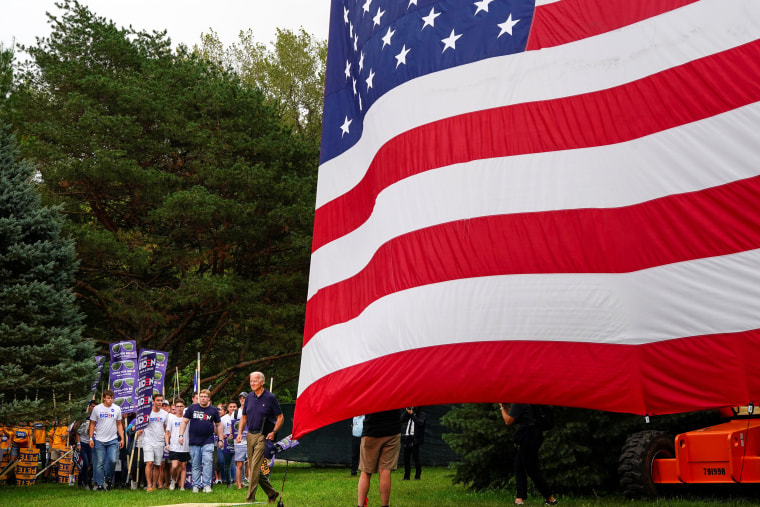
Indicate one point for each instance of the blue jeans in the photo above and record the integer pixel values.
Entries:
(202, 458)
(106, 454)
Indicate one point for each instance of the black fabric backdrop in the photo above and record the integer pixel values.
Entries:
(331, 445)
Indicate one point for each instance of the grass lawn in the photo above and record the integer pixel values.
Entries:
(330, 487)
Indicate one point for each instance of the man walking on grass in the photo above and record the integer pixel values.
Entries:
(262, 417)
(204, 420)
(106, 434)
(153, 441)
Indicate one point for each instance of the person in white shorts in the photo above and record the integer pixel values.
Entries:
(152, 438)
(179, 450)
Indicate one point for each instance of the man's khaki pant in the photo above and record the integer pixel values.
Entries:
(256, 447)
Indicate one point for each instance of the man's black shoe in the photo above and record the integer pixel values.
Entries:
(109, 487)
(273, 498)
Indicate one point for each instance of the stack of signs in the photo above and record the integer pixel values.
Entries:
(124, 374)
(145, 385)
(162, 359)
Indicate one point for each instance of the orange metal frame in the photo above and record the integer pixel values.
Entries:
(726, 453)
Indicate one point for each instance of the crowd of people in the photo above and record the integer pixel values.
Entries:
(183, 446)
(179, 446)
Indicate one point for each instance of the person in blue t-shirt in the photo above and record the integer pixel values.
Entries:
(204, 421)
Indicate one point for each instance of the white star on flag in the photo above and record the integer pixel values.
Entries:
(482, 5)
(361, 61)
(387, 37)
(345, 126)
(411, 2)
(401, 57)
(450, 41)
(365, 7)
(430, 18)
(507, 26)
(378, 16)
(348, 69)
(370, 78)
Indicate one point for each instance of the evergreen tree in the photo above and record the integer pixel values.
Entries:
(579, 455)
(190, 201)
(41, 345)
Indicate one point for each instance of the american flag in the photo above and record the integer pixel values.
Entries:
(549, 203)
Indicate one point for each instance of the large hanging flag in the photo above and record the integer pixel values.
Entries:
(553, 203)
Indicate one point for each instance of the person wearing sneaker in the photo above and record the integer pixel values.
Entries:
(528, 439)
(106, 433)
(203, 421)
(179, 454)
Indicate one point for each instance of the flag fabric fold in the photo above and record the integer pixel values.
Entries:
(547, 203)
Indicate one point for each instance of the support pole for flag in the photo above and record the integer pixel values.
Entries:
(199, 376)
(271, 383)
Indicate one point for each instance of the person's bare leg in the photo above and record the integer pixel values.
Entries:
(385, 486)
(149, 474)
(363, 488)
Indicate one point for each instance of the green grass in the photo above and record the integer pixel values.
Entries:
(330, 487)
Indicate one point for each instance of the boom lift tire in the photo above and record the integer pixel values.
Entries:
(636, 459)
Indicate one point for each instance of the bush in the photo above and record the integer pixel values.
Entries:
(579, 456)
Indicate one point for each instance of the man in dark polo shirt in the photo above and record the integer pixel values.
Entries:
(381, 443)
(262, 416)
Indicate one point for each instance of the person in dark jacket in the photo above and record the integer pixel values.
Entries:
(528, 439)
(381, 443)
(412, 437)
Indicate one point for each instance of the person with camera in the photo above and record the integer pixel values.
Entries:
(412, 437)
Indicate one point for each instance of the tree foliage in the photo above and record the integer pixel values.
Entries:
(44, 354)
(579, 455)
(291, 73)
(189, 198)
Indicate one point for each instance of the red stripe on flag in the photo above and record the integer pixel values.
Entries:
(571, 20)
(684, 94)
(672, 376)
(712, 222)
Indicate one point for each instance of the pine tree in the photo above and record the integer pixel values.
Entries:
(42, 350)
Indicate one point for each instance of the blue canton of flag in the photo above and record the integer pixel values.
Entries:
(377, 45)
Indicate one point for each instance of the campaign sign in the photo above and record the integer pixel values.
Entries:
(230, 442)
(123, 374)
(100, 361)
(162, 359)
(145, 384)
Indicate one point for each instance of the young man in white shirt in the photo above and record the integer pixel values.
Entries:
(179, 453)
(152, 439)
(106, 419)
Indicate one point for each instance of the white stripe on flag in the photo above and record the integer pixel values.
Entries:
(700, 297)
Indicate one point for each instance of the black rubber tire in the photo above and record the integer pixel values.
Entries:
(635, 464)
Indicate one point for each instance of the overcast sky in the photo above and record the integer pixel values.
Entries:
(185, 20)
